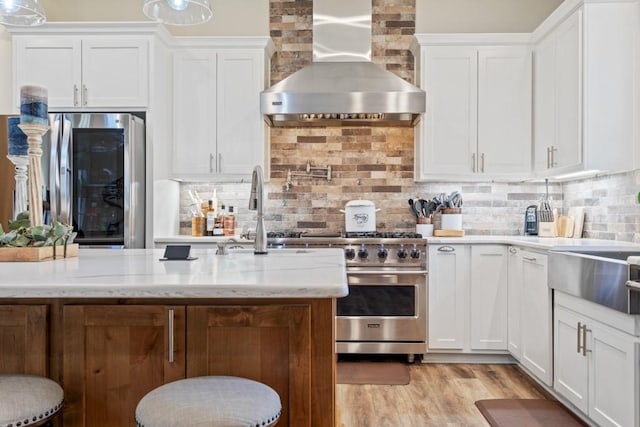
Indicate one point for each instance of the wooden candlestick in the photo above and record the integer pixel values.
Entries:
(20, 202)
(34, 134)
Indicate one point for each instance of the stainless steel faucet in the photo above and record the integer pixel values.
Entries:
(255, 204)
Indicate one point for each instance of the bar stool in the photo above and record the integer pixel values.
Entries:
(28, 400)
(212, 401)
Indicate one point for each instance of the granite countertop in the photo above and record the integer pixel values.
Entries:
(139, 273)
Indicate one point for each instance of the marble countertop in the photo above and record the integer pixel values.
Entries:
(543, 243)
(139, 273)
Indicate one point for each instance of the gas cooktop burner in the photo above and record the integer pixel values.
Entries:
(284, 234)
(383, 235)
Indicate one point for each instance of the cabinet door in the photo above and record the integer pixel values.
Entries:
(614, 366)
(23, 339)
(514, 303)
(504, 110)
(448, 280)
(450, 125)
(194, 113)
(544, 104)
(115, 72)
(270, 344)
(570, 366)
(536, 317)
(240, 129)
(52, 62)
(488, 297)
(568, 89)
(114, 355)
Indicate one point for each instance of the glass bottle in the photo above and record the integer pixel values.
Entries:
(230, 223)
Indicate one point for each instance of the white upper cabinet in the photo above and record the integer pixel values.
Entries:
(478, 119)
(586, 97)
(218, 129)
(82, 69)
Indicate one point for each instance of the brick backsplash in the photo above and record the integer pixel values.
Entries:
(611, 209)
(377, 163)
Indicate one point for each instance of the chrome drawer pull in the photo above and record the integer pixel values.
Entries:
(446, 249)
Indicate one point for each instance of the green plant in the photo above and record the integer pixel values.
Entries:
(22, 234)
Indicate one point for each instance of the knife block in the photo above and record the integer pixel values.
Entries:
(549, 229)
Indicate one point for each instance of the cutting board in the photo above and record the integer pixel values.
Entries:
(448, 233)
(578, 220)
(566, 226)
(30, 254)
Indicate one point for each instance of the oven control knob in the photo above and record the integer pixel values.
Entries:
(415, 252)
(363, 252)
(402, 252)
(350, 253)
(382, 252)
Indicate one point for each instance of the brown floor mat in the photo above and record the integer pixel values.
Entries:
(389, 373)
(527, 413)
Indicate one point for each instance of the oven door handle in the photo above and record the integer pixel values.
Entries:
(386, 272)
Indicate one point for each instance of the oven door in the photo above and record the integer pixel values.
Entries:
(383, 306)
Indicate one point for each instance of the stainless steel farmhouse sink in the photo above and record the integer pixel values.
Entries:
(605, 276)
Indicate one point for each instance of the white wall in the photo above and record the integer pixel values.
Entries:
(481, 16)
(230, 17)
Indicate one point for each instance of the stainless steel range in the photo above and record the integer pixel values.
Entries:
(386, 309)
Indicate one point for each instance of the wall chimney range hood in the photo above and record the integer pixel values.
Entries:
(342, 86)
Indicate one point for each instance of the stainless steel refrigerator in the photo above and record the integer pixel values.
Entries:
(96, 177)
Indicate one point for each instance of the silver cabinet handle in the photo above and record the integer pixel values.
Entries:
(446, 249)
(84, 94)
(548, 157)
(210, 162)
(578, 337)
(553, 156)
(171, 336)
(582, 335)
(529, 259)
(584, 340)
(219, 162)
(513, 250)
(482, 162)
(75, 95)
(473, 162)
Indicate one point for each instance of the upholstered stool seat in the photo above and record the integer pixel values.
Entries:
(28, 399)
(213, 401)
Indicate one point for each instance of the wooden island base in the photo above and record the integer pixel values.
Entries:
(107, 354)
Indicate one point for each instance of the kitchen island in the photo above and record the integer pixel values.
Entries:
(110, 325)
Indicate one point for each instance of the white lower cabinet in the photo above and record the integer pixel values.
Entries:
(536, 324)
(468, 298)
(529, 313)
(596, 366)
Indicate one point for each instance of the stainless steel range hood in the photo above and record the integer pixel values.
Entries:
(342, 86)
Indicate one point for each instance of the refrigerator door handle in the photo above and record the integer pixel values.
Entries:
(54, 170)
(65, 173)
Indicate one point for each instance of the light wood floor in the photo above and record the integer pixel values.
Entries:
(438, 395)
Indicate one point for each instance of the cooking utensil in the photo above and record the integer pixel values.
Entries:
(545, 212)
(412, 208)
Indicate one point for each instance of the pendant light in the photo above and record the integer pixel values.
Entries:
(178, 12)
(23, 13)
